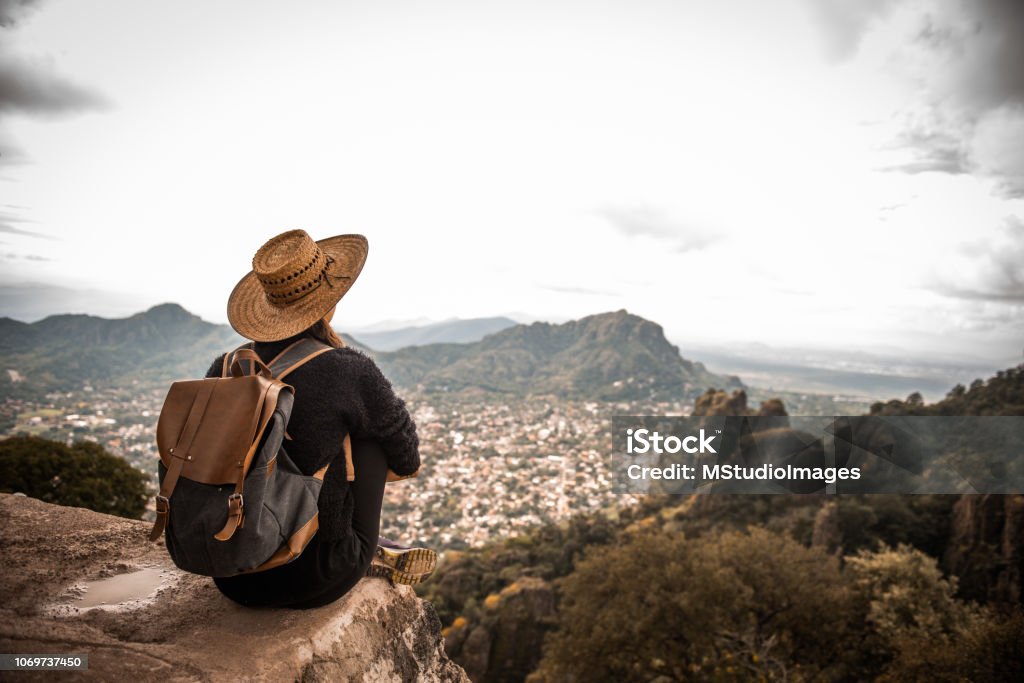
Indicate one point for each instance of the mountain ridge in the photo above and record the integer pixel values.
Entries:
(611, 356)
(62, 351)
(614, 355)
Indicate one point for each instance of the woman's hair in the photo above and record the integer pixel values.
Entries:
(323, 332)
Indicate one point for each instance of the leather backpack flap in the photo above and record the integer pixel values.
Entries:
(231, 418)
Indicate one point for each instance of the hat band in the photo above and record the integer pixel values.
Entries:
(291, 296)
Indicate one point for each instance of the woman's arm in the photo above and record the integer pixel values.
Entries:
(388, 421)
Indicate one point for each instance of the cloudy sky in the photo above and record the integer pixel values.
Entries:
(826, 173)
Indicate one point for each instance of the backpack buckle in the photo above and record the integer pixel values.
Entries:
(236, 508)
(236, 517)
(163, 510)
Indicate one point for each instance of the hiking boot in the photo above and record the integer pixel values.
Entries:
(394, 576)
(415, 561)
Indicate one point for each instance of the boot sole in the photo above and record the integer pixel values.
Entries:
(396, 576)
(411, 561)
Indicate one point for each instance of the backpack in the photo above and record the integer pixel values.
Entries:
(231, 500)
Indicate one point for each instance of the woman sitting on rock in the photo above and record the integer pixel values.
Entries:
(291, 294)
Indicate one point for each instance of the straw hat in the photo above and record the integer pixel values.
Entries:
(293, 283)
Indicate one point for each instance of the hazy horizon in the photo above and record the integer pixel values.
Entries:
(737, 349)
(798, 174)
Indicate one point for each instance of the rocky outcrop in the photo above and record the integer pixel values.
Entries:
(504, 645)
(827, 532)
(986, 547)
(75, 581)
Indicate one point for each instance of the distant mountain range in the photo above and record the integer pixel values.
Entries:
(66, 351)
(869, 375)
(446, 331)
(607, 356)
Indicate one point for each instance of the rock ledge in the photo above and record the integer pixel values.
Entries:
(162, 624)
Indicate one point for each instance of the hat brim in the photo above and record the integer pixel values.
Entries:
(253, 316)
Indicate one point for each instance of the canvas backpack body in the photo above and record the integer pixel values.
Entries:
(231, 500)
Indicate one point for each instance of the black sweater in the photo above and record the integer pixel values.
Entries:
(337, 393)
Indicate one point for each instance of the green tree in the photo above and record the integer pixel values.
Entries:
(740, 606)
(81, 475)
(986, 650)
(928, 634)
(905, 592)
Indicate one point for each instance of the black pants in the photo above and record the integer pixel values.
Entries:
(325, 570)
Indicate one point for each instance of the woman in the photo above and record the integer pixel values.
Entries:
(292, 292)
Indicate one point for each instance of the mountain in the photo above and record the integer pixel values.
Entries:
(608, 356)
(64, 351)
(447, 331)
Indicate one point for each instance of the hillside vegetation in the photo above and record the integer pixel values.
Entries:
(752, 588)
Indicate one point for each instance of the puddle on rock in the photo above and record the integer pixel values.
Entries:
(118, 593)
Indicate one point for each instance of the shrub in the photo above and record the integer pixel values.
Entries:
(80, 475)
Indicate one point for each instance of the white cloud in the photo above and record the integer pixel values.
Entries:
(962, 69)
(687, 161)
(997, 148)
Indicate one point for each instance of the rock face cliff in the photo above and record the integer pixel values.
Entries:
(506, 645)
(75, 581)
(986, 548)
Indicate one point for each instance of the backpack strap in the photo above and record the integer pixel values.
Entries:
(350, 468)
(294, 357)
(225, 368)
(256, 364)
(236, 513)
(179, 455)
